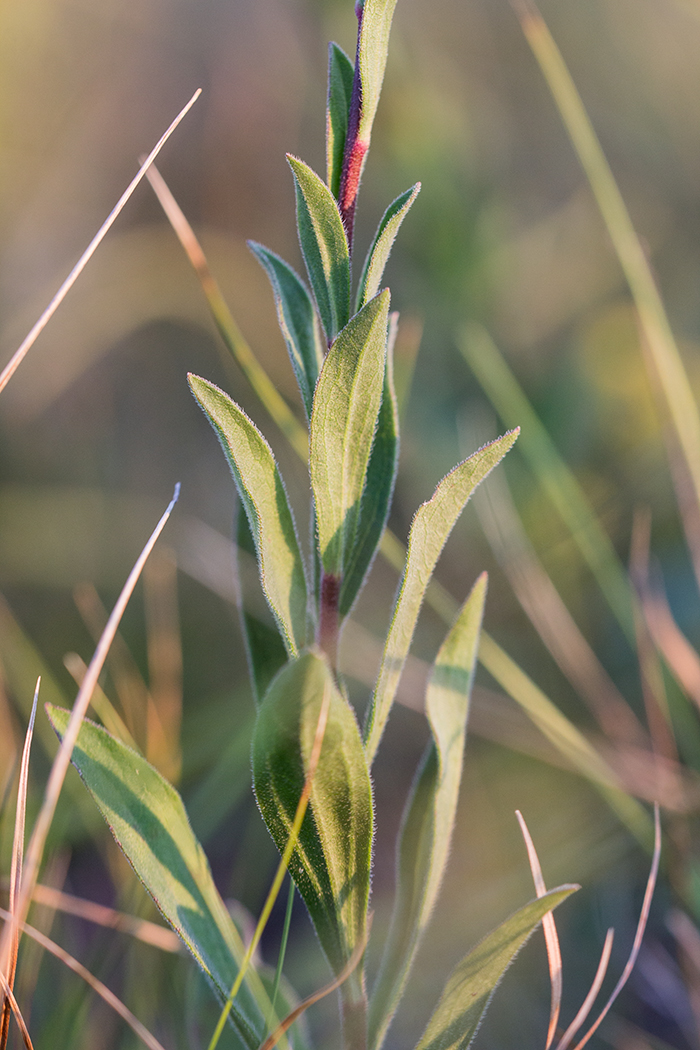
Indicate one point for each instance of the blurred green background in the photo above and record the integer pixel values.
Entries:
(98, 425)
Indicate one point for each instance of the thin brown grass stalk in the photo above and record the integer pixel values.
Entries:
(31, 337)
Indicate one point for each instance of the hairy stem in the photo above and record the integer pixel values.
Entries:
(328, 621)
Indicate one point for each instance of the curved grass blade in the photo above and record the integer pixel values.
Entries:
(428, 821)
(431, 526)
(343, 422)
(340, 76)
(379, 486)
(324, 247)
(331, 860)
(263, 496)
(558, 481)
(469, 989)
(297, 320)
(148, 820)
(380, 249)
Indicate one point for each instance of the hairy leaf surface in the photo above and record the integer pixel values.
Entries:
(372, 55)
(428, 821)
(343, 422)
(379, 486)
(264, 499)
(431, 526)
(331, 862)
(324, 247)
(381, 246)
(340, 76)
(297, 321)
(469, 989)
(148, 820)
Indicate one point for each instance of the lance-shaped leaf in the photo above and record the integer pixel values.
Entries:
(331, 862)
(472, 983)
(340, 77)
(373, 48)
(324, 247)
(264, 499)
(431, 526)
(346, 406)
(297, 321)
(148, 820)
(381, 246)
(429, 817)
(379, 486)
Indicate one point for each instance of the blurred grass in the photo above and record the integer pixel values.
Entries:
(97, 425)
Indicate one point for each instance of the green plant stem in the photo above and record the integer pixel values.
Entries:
(354, 1000)
(282, 952)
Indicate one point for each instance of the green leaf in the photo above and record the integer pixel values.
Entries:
(379, 487)
(297, 320)
(331, 862)
(264, 648)
(343, 421)
(324, 247)
(429, 817)
(264, 499)
(340, 76)
(148, 820)
(431, 526)
(373, 48)
(381, 246)
(472, 983)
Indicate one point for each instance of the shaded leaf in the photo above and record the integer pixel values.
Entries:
(379, 487)
(381, 246)
(324, 247)
(340, 76)
(148, 820)
(297, 321)
(331, 862)
(431, 526)
(343, 422)
(429, 817)
(472, 983)
(264, 499)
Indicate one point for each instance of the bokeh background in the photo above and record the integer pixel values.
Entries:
(98, 425)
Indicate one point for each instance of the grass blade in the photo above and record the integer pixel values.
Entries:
(680, 402)
(431, 526)
(29, 340)
(557, 480)
(587, 1004)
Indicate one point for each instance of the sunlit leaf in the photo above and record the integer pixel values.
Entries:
(381, 246)
(472, 983)
(372, 54)
(379, 487)
(431, 526)
(331, 862)
(263, 496)
(343, 422)
(324, 247)
(148, 820)
(340, 76)
(297, 320)
(429, 818)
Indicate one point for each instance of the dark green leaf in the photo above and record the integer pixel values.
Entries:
(429, 817)
(343, 421)
(431, 526)
(297, 320)
(469, 990)
(264, 499)
(148, 820)
(331, 862)
(340, 77)
(379, 487)
(381, 246)
(324, 247)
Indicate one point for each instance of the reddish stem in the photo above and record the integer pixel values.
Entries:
(328, 618)
(355, 150)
